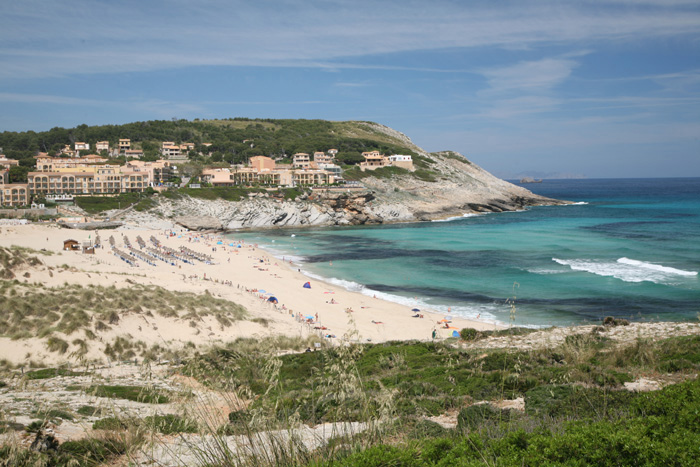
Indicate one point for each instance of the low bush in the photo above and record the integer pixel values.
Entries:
(110, 423)
(54, 415)
(132, 393)
(169, 424)
(476, 415)
(429, 429)
(88, 410)
(470, 334)
(46, 373)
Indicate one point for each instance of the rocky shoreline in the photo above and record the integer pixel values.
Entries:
(460, 187)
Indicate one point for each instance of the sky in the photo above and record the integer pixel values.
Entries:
(542, 88)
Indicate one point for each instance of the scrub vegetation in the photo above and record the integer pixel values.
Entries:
(574, 407)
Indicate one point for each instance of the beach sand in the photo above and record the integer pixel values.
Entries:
(238, 274)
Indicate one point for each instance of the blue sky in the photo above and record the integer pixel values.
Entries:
(597, 88)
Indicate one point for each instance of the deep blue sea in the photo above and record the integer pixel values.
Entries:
(629, 248)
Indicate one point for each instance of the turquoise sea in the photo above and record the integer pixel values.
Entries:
(629, 248)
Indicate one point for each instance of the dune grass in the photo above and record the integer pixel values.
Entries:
(71, 316)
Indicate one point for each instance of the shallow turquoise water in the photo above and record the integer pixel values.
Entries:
(632, 250)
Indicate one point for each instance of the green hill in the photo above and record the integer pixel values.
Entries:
(232, 140)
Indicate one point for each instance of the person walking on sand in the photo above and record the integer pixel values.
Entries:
(434, 333)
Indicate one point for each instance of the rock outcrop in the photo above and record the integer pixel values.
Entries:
(445, 185)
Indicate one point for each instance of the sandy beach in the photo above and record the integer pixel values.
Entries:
(238, 272)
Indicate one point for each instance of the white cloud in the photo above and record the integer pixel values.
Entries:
(508, 108)
(78, 36)
(530, 76)
(153, 106)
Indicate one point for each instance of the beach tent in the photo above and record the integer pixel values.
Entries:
(273, 300)
(307, 285)
(455, 333)
(219, 242)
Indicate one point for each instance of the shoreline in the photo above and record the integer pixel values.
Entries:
(239, 272)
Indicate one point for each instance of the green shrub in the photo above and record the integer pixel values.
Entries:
(88, 410)
(474, 416)
(54, 414)
(428, 429)
(169, 424)
(425, 175)
(110, 423)
(575, 401)
(90, 451)
(470, 334)
(132, 393)
(36, 426)
(46, 373)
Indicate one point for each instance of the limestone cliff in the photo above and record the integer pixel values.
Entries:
(446, 184)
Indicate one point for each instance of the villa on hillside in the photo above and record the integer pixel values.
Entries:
(173, 151)
(7, 163)
(124, 144)
(263, 170)
(157, 172)
(300, 160)
(134, 153)
(374, 160)
(46, 163)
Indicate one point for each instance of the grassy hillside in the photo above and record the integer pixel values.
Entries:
(574, 409)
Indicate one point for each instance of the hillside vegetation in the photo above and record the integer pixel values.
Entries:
(412, 404)
(232, 140)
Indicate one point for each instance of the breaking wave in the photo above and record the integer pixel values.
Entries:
(628, 270)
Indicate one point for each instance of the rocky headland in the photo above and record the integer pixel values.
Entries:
(445, 184)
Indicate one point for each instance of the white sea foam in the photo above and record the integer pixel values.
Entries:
(628, 270)
(580, 203)
(544, 271)
(284, 256)
(348, 285)
(484, 313)
(454, 218)
(656, 267)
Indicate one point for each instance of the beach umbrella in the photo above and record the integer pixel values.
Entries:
(448, 317)
(231, 244)
(443, 320)
(309, 317)
(261, 291)
(273, 300)
(219, 242)
(415, 309)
